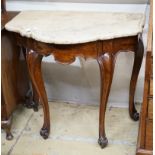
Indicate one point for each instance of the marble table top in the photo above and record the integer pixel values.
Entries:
(68, 27)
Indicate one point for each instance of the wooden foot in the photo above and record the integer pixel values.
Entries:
(34, 66)
(44, 132)
(136, 68)
(106, 63)
(6, 125)
(103, 142)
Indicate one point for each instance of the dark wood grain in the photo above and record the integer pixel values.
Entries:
(145, 135)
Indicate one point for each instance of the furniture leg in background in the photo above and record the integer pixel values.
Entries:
(15, 80)
(14, 74)
(32, 98)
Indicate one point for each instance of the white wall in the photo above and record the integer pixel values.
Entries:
(80, 82)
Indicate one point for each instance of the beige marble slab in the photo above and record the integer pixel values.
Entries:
(69, 27)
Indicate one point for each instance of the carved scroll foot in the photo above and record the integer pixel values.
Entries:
(136, 68)
(106, 63)
(44, 132)
(103, 142)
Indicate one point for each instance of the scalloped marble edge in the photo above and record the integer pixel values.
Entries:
(35, 35)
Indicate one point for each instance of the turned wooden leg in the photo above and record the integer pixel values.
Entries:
(6, 125)
(106, 64)
(136, 68)
(31, 98)
(34, 65)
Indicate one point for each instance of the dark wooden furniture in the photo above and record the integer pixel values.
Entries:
(145, 138)
(3, 6)
(104, 52)
(14, 75)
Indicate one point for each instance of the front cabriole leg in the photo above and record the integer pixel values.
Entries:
(136, 68)
(34, 65)
(106, 63)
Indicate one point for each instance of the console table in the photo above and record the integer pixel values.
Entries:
(66, 35)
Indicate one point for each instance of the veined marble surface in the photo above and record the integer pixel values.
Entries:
(70, 27)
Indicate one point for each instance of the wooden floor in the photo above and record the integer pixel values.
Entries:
(74, 131)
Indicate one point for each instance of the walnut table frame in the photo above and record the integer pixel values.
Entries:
(104, 52)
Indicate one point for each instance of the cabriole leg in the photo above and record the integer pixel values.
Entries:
(136, 68)
(106, 64)
(34, 66)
